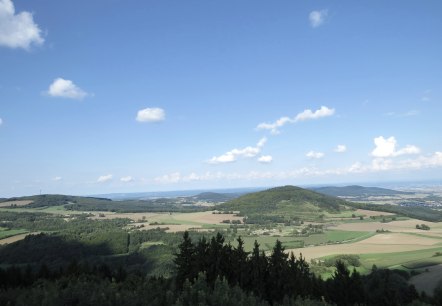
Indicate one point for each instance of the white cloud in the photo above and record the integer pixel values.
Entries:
(17, 30)
(1, 121)
(307, 114)
(66, 89)
(386, 147)
(317, 18)
(265, 159)
(169, 178)
(273, 127)
(315, 155)
(57, 178)
(105, 178)
(340, 149)
(154, 114)
(233, 155)
(127, 179)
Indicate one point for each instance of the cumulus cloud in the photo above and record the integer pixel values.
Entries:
(317, 18)
(273, 127)
(265, 159)
(340, 149)
(169, 178)
(66, 89)
(234, 154)
(57, 178)
(105, 178)
(307, 114)
(386, 147)
(315, 155)
(154, 114)
(17, 30)
(127, 179)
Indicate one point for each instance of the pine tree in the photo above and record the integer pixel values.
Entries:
(184, 261)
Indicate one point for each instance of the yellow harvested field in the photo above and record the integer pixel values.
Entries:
(206, 217)
(172, 228)
(399, 239)
(427, 281)
(133, 216)
(15, 238)
(16, 203)
(394, 226)
(198, 217)
(381, 243)
(371, 213)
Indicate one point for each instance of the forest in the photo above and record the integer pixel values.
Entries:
(208, 271)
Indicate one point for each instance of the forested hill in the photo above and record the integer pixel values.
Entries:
(102, 204)
(215, 196)
(357, 191)
(284, 203)
(46, 200)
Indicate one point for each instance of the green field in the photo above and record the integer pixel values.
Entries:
(333, 236)
(5, 233)
(408, 260)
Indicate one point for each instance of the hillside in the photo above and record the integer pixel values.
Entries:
(284, 204)
(79, 203)
(357, 191)
(215, 197)
(47, 200)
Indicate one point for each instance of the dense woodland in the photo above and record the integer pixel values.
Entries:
(208, 272)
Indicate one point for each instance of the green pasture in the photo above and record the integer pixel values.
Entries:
(6, 233)
(409, 260)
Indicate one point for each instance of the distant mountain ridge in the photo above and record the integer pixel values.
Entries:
(357, 191)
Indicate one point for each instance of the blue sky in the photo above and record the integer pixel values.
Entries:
(120, 96)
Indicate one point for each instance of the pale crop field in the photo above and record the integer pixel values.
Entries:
(381, 243)
(371, 213)
(195, 218)
(16, 238)
(393, 226)
(16, 203)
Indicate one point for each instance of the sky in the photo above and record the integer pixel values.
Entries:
(128, 96)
